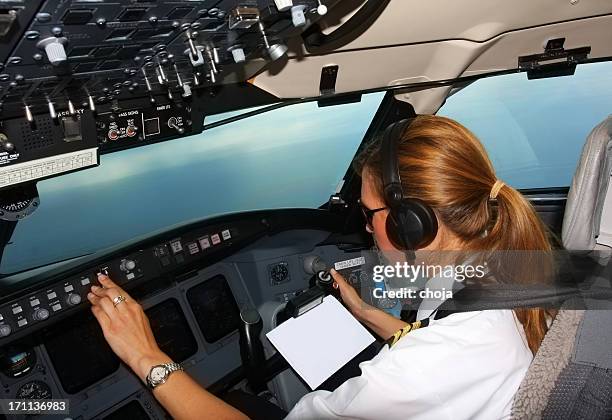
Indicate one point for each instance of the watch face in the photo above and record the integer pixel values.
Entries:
(158, 374)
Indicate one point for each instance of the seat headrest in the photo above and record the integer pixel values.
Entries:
(587, 224)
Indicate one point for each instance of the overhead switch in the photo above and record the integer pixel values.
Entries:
(283, 5)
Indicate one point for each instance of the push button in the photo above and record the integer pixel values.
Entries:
(17, 310)
(22, 322)
(68, 288)
(51, 295)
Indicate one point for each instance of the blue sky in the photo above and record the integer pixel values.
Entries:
(534, 129)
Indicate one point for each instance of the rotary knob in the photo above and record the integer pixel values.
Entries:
(5, 330)
(40, 314)
(127, 265)
(73, 299)
(113, 134)
(55, 50)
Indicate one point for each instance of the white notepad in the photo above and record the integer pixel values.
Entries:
(321, 341)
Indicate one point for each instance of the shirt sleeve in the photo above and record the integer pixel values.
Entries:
(384, 389)
(466, 365)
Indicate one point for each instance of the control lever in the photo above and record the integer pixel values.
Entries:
(251, 348)
(193, 52)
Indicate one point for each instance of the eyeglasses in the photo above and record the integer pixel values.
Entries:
(368, 214)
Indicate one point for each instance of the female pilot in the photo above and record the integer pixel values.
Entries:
(465, 365)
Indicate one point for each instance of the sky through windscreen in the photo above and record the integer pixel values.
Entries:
(290, 157)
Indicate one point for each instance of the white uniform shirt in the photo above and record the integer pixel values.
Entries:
(466, 365)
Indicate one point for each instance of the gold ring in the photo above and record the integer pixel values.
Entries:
(118, 300)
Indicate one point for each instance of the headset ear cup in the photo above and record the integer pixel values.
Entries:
(429, 222)
(412, 224)
(394, 231)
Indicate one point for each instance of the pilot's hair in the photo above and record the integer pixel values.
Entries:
(442, 163)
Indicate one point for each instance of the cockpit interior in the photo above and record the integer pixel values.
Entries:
(199, 153)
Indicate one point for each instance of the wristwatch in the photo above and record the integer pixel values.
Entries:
(159, 374)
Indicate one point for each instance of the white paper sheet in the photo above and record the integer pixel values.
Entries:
(321, 341)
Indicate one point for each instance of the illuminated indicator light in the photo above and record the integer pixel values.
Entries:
(204, 242)
(193, 248)
(176, 246)
(216, 239)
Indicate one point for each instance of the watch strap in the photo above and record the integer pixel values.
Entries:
(170, 368)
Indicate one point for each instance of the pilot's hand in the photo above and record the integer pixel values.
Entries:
(125, 327)
(349, 295)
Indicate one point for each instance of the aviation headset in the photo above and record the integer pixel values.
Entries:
(411, 223)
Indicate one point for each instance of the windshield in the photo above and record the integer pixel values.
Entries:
(534, 130)
(290, 157)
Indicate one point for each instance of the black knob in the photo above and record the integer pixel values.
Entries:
(127, 265)
(40, 314)
(5, 330)
(73, 299)
(251, 348)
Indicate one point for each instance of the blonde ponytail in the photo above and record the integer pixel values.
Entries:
(443, 164)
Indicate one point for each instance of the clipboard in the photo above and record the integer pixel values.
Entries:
(320, 340)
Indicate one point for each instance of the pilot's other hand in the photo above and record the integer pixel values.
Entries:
(125, 327)
(349, 295)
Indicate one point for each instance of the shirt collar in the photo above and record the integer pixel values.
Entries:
(430, 305)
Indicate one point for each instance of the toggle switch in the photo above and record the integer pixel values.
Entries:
(92, 104)
(321, 9)
(146, 79)
(172, 123)
(28, 114)
(283, 5)
(52, 112)
(71, 109)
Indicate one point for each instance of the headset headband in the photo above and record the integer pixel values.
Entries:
(392, 182)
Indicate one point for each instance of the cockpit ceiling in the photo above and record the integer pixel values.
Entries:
(437, 40)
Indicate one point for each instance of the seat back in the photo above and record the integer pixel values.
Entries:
(587, 224)
(571, 374)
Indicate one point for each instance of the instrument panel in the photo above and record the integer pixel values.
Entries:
(106, 50)
(84, 77)
(27, 313)
(192, 282)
